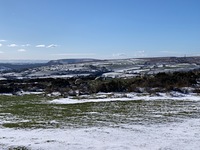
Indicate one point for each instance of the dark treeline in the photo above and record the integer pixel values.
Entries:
(161, 82)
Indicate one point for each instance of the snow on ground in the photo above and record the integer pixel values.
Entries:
(128, 97)
(182, 135)
(174, 136)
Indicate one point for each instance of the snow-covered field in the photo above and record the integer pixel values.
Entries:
(174, 136)
(132, 123)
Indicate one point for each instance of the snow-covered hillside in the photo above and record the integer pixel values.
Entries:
(117, 68)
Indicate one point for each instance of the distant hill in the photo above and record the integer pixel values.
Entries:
(19, 65)
(70, 61)
(4, 67)
(7, 66)
(191, 59)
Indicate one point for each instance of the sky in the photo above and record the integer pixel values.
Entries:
(102, 29)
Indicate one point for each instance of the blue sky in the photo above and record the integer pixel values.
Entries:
(55, 29)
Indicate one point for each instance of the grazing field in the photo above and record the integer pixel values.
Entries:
(34, 122)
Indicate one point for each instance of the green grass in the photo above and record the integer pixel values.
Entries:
(35, 111)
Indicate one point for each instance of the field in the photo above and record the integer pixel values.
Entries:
(34, 122)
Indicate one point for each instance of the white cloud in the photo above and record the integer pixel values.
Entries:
(12, 45)
(21, 50)
(1, 45)
(1, 52)
(49, 46)
(3, 41)
(40, 46)
(52, 46)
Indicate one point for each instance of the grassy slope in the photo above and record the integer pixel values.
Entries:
(34, 111)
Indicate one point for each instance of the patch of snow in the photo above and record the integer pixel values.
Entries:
(177, 94)
(1, 78)
(129, 97)
(6, 94)
(27, 93)
(111, 74)
(181, 136)
(55, 94)
(76, 101)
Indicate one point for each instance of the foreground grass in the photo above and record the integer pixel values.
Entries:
(35, 111)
